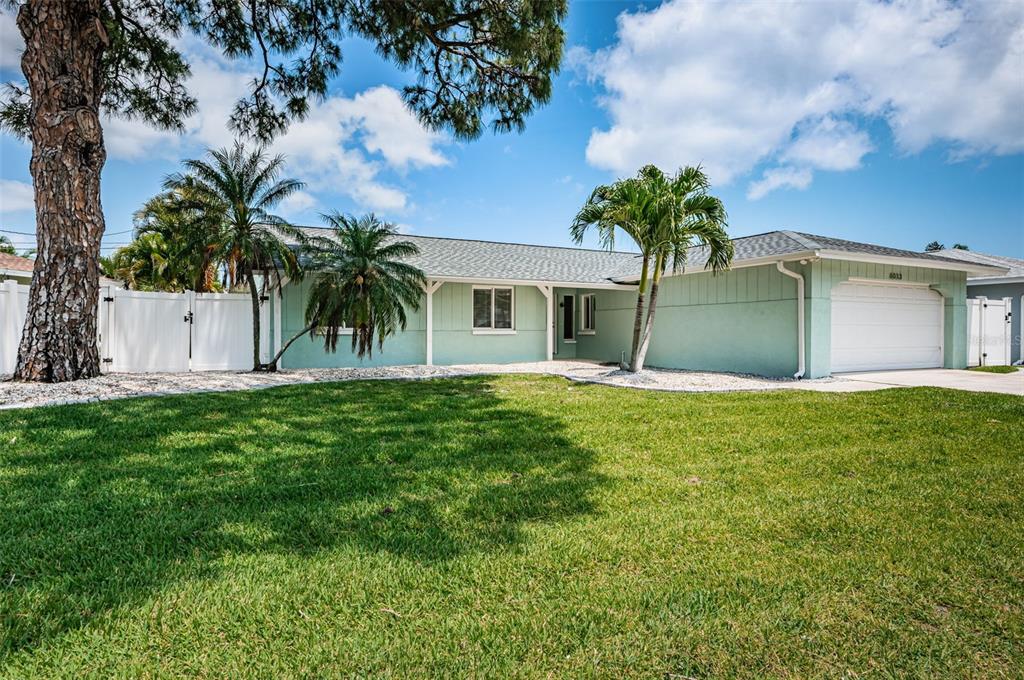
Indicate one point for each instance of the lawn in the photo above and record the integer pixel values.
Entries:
(514, 526)
(994, 369)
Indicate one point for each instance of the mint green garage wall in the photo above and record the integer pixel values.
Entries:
(823, 276)
(745, 320)
(454, 340)
(742, 321)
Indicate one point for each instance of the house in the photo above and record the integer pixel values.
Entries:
(996, 287)
(792, 304)
(16, 268)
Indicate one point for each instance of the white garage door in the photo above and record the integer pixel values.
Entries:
(879, 326)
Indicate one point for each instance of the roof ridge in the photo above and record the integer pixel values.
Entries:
(957, 253)
(506, 243)
(806, 240)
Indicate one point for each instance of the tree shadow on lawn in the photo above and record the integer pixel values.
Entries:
(103, 504)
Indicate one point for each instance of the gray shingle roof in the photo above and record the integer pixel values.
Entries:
(1014, 266)
(472, 259)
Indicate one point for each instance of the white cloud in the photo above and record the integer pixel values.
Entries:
(299, 204)
(16, 196)
(332, 146)
(776, 178)
(735, 84)
(389, 128)
(11, 44)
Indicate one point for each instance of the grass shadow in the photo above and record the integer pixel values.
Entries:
(103, 504)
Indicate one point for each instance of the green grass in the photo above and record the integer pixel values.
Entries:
(994, 369)
(514, 526)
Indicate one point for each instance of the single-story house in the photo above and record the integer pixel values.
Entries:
(996, 287)
(792, 304)
(16, 268)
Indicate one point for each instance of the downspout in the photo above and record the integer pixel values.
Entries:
(800, 340)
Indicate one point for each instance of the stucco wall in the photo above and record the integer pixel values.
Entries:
(998, 292)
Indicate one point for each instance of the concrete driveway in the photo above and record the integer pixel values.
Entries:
(972, 381)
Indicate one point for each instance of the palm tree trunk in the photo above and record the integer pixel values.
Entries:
(638, 318)
(62, 62)
(651, 306)
(257, 365)
(272, 366)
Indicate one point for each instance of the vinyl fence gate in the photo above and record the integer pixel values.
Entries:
(149, 332)
(988, 323)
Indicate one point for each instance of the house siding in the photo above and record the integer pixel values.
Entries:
(743, 320)
(454, 340)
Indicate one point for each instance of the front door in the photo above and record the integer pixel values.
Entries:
(569, 318)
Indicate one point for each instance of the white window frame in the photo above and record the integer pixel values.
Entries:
(342, 330)
(583, 330)
(492, 330)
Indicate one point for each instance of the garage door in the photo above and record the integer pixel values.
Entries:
(879, 326)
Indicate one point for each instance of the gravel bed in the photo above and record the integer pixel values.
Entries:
(121, 385)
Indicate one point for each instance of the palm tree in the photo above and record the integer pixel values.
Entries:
(360, 283)
(245, 186)
(682, 213)
(6, 247)
(194, 234)
(623, 205)
(146, 264)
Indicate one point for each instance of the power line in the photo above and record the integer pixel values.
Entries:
(32, 234)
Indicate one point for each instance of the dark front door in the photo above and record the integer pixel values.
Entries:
(568, 317)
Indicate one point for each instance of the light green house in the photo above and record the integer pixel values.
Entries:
(792, 304)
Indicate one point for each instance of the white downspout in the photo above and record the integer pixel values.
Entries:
(799, 316)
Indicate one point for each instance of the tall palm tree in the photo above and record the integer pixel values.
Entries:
(624, 205)
(683, 212)
(245, 185)
(360, 283)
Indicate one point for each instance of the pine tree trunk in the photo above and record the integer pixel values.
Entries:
(649, 326)
(638, 318)
(64, 45)
(257, 365)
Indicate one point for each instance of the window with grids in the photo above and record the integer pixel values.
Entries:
(587, 313)
(492, 308)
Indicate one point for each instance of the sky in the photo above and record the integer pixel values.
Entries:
(896, 123)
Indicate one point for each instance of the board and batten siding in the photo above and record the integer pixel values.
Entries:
(823, 276)
(454, 340)
(742, 321)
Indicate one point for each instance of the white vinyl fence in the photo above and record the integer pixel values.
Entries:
(13, 302)
(143, 332)
(988, 334)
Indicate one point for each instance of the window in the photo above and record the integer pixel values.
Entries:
(588, 311)
(493, 310)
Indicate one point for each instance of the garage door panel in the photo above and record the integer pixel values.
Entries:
(879, 326)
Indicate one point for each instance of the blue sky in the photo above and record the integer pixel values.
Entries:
(889, 123)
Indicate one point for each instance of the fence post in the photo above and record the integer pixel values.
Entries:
(9, 326)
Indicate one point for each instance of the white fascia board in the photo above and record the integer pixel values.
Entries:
(531, 282)
(752, 262)
(994, 280)
(969, 267)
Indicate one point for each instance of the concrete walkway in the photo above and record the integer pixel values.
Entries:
(971, 381)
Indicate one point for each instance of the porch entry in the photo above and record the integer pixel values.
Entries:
(569, 318)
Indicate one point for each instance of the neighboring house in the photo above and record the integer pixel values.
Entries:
(14, 267)
(995, 287)
(863, 307)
